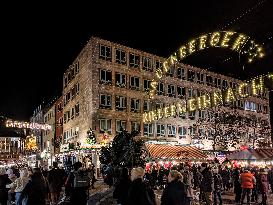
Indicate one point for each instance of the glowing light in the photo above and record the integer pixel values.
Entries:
(217, 98)
(182, 107)
(192, 104)
(159, 74)
(203, 101)
(243, 86)
(258, 88)
(145, 117)
(202, 42)
(230, 95)
(159, 113)
(226, 39)
(192, 46)
(182, 52)
(27, 125)
(166, 111)
(173, 110)
(215, 38)
(165, 66)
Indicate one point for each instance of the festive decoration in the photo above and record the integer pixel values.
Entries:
(224, 39)
(91, 138)
(30, 144)
(27, 125)
(213, 99)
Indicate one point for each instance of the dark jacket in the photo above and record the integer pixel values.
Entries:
(174, 194)
(218, 183)
(263, 183)
(4, 180)
(35, 190)
(56, 179)
(207, 180)
(139, 194)
(121, 190)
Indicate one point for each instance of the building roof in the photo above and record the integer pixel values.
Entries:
(252, 154)
(174, 152)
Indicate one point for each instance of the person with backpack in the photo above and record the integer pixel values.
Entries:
(79, 180)
(55, 180)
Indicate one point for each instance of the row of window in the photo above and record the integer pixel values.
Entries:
(147, 64)
(71, 94)
(70, 114)
(73, 132)
(49, 115)
(135, 105)
(71, 74)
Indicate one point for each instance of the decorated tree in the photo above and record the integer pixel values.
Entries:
(91, 138)
(229, 128)
(125, 150)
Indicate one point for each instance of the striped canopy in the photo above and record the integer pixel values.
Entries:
(252, 154)
(166, 151)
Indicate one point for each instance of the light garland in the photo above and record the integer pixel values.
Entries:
(222, 39)
(27, 125)
(208, 100)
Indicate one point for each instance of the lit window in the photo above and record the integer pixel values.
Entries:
(105, 125)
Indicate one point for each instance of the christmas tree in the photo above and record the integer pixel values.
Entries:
(91, 138)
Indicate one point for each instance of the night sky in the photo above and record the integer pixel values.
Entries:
(40, 41)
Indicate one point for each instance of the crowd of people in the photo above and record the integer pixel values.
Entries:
(181, 184)
(38, 186)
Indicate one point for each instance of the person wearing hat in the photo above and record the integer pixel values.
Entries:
(247, 183)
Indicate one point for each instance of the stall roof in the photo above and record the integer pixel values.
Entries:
(252, 154)
(174, 151)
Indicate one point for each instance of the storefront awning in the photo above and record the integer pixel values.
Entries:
(160, 151)
(252, 154)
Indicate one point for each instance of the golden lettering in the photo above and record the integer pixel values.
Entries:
(226, 39)
(202, 42)
(217, 98)
(165, 66)
(182, 52)
(215, 38)
(192, 46)
(242, 90)
(258, 88)
(159, 73)
(239, 42)
(166, 111)
(159, 114)
(192, 104)
(230, 95)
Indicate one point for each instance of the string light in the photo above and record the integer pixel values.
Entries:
(202, 42)
(215, 38)
(256, 87)
(243, 86)
(192, 104)
(230, 95)
(226, 38)
(217, 98)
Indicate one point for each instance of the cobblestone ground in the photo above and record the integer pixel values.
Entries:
(228, 198)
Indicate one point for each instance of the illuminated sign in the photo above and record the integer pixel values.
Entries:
(222, 39)
(27, 125)
(220, 97)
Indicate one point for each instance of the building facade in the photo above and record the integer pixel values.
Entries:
(38, 117)
(59, 124)
(107, 87)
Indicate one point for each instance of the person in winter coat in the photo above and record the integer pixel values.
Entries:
(11, 193)
(35, 189)
(187, 180)
(206, 186)
(20, 184)
(247, 183)
(139, 193)
(174, 193)
(237, 184)
(4, 181)
(225, 173)
(263, 185)
(218, 186)
(121, 190)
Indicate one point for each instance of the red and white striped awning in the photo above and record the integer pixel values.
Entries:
(166, 151)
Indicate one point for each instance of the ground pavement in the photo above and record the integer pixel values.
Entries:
(103, 195)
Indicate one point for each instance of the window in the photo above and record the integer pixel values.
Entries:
(147, 84)
(159, 105)
(182, 132)
(135, 105)
(265, 109)
(77, 67)
(192, 130)
(147, 64)
(135, 126)
(191, 75)
(182, 115)
(160, 130)
(77, 88)
(200, 78)
(250, 106)
(158, 64)
(148, 130)
(134, 60)
(181, 92)
(181, 73)
(120, 80)
(171, 131)
(170, 71)
(65, 82)
(191, 115)
(105, 125)
(202, 114)
(160, 89)
(259, 108)
(121, 103)
(73, 92)
(105, 77)
(120, 125)
(121, 57)
(147, 106)
(209, 80)
(77, 109)
(191, 92)
(171, 91)
(225, 84)
(105, 52)
(134, 83)
(105, 101)
(72, 112)
(201, 131)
